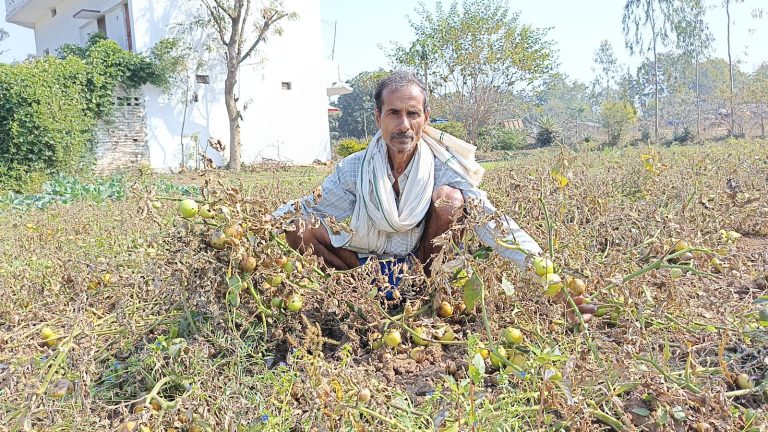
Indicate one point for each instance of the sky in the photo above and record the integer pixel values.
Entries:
(364, 27)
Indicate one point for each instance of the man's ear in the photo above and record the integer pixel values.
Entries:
(377, 116)
(426, 116)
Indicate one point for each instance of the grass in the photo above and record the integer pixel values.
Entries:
(148, 314)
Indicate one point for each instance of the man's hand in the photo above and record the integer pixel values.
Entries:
(586, 309)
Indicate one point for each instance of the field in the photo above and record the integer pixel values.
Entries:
(118, 314)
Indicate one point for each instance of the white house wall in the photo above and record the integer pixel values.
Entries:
(289, 125)
(54, 31)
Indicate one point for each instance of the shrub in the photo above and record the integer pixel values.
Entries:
(347, 146)
(617, 116)
(49, 106)
(454, 128)
(499, 138)
(549, 131)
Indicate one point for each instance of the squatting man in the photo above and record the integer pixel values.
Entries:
(406, 189)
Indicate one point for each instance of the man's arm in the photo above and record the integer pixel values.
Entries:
(492, 231)
(338, 194)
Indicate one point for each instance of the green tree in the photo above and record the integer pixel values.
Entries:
(608, 68)
(657, 17)
(617, 116)
(356, 118)
(694, 39)
(476, 55)
(568, 102)
(756, 95)
(239, 28)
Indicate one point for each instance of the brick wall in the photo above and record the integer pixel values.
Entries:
(122, 138)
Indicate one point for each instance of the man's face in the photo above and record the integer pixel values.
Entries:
(402, 118)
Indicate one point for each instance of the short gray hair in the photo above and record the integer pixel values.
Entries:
(399, 79)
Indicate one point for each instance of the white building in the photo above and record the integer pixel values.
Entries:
(282, 90)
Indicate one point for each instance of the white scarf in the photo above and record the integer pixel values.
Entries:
(376, 213)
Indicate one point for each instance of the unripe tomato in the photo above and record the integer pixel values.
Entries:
(392, 338)
(49, 336)
(497, 361)
(743, 381)
(543, 266)
(675, 273)
(447, 334)
(513, 335)
(188, 208)
(293, 303)
(421, 334)
(205, 211)
(554, 284)
(681, 245)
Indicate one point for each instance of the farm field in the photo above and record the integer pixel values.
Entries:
(120, 315)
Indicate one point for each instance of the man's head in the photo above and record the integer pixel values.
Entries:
(402, 110)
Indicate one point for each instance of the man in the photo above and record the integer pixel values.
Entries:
(398, 192)
(407, 188)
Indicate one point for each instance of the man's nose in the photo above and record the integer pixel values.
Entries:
(403, 123)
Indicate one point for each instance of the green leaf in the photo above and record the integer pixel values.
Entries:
(477, 369)
(473, 290)
(641, 411)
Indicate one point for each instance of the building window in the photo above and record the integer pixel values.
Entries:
(46, 52)
(53, 12)
(101, 23)
(286, 85)
(202, 79)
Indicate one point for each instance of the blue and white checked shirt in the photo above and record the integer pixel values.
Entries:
(339, 197)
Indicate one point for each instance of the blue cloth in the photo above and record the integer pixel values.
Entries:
(391, 268)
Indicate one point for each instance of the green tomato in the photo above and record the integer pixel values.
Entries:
(513, 335)
(293, 303)
(543, 266)
(675, 273)
(188, 208)
(497, 361)
(554, 284)
(392, 338)
(205, 211)
(447, 334)
(421, 334)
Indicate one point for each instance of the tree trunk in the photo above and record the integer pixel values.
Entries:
(730, 65)
(698, 101)
(655, 74)
(234, 119)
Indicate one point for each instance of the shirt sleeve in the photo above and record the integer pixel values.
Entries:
(338, 194)
(492, 231)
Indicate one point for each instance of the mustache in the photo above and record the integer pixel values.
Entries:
(403, 135)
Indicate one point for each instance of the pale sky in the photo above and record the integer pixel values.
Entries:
(577, 27)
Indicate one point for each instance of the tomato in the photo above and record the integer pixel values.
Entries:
(554, 284)
(293, 303)
(49, 336)
(217, 240)
(543, 266)
(675, 273)
(513, 335)
(188, 208)
(205, 211)
(248, 264)
(392, 338)
(497, 361)
(743, 381)
(363, 395)
(421, 334)
(445, 310)
(577, 286)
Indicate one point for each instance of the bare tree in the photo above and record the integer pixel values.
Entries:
(240, 27)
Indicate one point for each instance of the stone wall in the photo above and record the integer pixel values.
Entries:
(122, 138)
